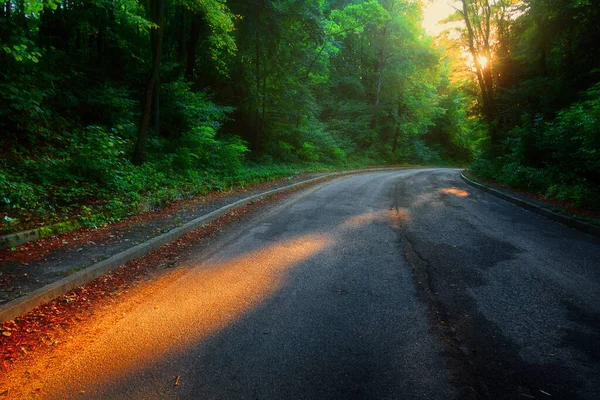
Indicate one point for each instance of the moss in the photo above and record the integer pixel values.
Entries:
(58, 228)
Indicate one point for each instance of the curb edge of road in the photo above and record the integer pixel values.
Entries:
(563, 219)
(23, 305)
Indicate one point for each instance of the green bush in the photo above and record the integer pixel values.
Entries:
(422, 154)
(336, 155)
(559, 158)
(518, 176)
(185, 110)
(309, 152)
(199, 148)
(99, 155)
(572, 140)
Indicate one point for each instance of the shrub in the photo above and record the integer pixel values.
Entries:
(199, 148)
(309, 152)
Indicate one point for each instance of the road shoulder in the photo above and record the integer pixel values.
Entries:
(534, 205)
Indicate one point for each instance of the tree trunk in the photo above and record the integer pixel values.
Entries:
(258, 97)
(262, 114)
(191, 48)
(543, 63)
(157, 14)
(396, 137)
(78, 40)
(181, 45)
(378, 93)
(484, 75)
(382, 63)
(156, 107)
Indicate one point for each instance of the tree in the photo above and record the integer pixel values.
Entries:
(477, 15)
(157, 17)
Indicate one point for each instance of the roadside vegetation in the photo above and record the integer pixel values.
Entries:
(107, 104)
(536, 75)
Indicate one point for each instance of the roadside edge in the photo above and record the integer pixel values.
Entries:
(22, 305)
(573, 223)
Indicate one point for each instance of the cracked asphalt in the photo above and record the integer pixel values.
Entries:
(386, 285)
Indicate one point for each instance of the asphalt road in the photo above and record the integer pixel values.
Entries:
(388, 285)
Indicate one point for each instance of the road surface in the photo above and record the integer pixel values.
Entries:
(386, 285)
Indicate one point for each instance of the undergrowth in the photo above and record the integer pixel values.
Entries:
(123, 192)
(558, 158)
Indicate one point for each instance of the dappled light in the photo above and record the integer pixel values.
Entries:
(456, 192)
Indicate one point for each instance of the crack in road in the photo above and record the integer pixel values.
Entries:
(483, 361)
(457, 354)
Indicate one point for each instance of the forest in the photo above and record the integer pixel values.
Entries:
(105, 104)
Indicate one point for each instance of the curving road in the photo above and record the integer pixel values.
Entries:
(387, 285)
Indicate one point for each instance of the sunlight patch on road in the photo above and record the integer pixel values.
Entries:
(393, 216)
(179, 311)
(171, 316)
(456, 192)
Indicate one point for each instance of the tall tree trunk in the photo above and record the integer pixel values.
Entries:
(157, 16)
(262, 113)
(258, 97)
(100, 46)
(484, 75)
(181, 34)
(20, 17)
(543, 63)
(396, 137)
(78, 40)
(382, 63)
(156, 107)
(191, 48)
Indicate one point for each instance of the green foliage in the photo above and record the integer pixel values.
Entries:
(421, 154)
(281, 151)
(198, 149)
(567, 154)
(512, 174)
(21, 52)
(541, 98)
(309, 152)
(185, 109)
(220, 21)
(573, 138)
(98, 156)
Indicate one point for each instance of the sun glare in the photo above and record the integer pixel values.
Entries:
(483, 61)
